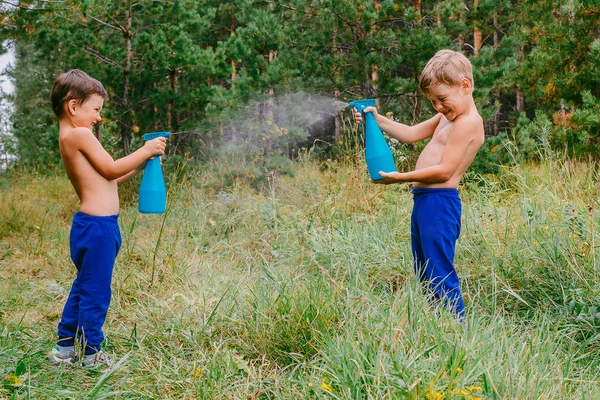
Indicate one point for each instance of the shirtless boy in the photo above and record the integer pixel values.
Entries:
(456, 134)
(95, 237)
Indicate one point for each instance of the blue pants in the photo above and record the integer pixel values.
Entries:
(435, 227)
(95, 243)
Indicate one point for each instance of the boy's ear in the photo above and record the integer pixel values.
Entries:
(465, 86)
(72, 106)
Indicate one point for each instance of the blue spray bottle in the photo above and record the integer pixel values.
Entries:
(377, 152)
(153, 195)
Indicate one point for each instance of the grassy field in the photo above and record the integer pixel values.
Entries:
(304, 290)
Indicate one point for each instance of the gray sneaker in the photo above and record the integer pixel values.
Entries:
(96, 360)
(57, 358)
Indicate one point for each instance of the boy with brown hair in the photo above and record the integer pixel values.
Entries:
(95, 238)
(456, 134)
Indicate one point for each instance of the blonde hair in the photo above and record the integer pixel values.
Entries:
(447, 67)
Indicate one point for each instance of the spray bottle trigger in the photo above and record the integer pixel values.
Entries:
(360, 105)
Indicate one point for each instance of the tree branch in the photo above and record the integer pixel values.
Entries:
(281, 5)
(107, 60)
(116, 28)
(16, 4)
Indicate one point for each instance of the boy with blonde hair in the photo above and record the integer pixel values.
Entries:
(456, 133)
(95, 238)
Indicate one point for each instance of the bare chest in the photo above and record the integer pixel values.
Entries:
(442, 132)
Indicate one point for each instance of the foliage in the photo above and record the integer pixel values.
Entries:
(183, 64)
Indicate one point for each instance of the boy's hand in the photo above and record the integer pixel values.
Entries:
(358, 116)
(389, 177)
(156, 146)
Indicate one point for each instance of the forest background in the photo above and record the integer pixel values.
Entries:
(278, 271)
(196, 65)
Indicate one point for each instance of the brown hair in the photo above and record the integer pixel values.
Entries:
(447, 67)
(74, 85)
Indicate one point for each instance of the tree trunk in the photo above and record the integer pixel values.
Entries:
(172, 114)
(375, 78)
(155, 107)
(496, 92)
(520, 100)
(233, 73)
(126, 129)
(98, 132)
(461, 37)
(233, 84)
(266, 113)
(336, 93)
(417, 6)
(374, 81)
(477, 36)
(125, 113)
(520, 94)
(496, 27)
(233, 62)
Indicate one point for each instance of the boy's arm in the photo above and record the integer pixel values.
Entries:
(406, 133)
(131, 174)
(459, 139)
(84, 141)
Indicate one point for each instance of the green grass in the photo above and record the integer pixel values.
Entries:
(304, 289)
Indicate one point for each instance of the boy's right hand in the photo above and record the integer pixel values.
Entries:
(358, 115)
(156, 146)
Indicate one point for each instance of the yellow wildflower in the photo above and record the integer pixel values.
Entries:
(326, 387)
(459, 370)
(475, 388)
(13, 380)
(198, 372)
(135, 129)
(431, 396)
(310, 384)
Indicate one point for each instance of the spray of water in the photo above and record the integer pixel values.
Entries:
(281, 120)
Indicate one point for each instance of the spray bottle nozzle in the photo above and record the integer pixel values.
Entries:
(154, 135)
(362, 104)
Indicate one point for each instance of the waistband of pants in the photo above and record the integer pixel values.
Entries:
(95, 218)
(448, 192)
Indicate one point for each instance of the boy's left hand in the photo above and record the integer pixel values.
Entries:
(389, 177)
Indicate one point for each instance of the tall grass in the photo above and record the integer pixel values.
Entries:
(304, 289)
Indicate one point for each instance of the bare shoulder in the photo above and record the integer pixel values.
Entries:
(470, 127)
(75, 134)
(75, 139)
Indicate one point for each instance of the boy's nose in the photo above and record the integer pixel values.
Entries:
(439, 107)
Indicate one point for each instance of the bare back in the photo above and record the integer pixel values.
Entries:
(465, 142)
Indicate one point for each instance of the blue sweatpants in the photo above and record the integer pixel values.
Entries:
(95, 243)
(435, 227)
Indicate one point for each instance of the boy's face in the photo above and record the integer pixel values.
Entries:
(86, 114)
(451, 101)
